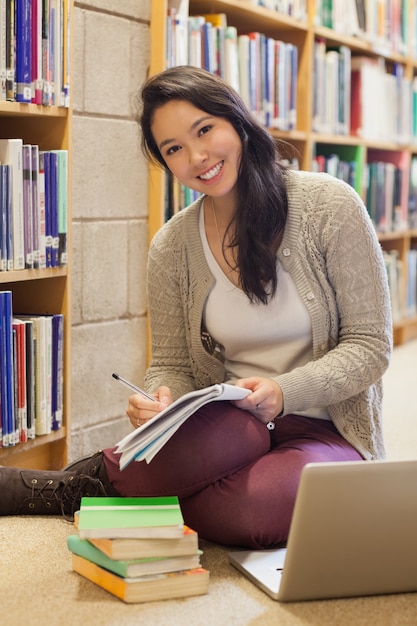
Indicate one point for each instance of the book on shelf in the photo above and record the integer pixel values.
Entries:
(2, 51)
(265, 76)
(57, 377)
(395, 273)
(144, 588)
(36, 52)
(11, 153)
(6, 261)
(47, 350)
(230, 62)
(53, 207)
(10, 51)
(62, 205)
(9, 432)
(145, 442)
(411, 290)
(131, 568)
(116, 517)
(27, 205)
(41, 198)
(23, 52)
(35, 205)
(30, 379)
(20, 380)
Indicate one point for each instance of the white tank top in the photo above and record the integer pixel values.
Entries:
(258, 340)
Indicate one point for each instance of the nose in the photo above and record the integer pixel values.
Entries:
(198, 155)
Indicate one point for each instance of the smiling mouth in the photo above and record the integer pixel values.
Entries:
(212, 173)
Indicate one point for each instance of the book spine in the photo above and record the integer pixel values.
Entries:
(48, 370)
(62, 204)
(66, 52)
(30, 379)
(42, 210)
(23, 51)
(6, 371)
(2, 50)
(27, 205)
(57, 370)
(10, 50)
(9, 219)
(20, 379)
(293, 72)
(41, 424)
(35, 204)
(11, 152)
(53, 195)
(36, 59)
(48, 214)
(231, 57)
(3, 223)
(46, 71)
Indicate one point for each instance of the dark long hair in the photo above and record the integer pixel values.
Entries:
(262, 197)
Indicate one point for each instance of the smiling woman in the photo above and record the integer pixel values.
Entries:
(251, 284)
(204, 152)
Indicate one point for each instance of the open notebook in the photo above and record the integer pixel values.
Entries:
(353, 533)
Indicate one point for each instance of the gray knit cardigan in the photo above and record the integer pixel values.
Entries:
(331, 251)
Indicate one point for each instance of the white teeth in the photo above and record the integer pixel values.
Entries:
(213, 172)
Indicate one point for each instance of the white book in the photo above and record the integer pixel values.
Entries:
(243, 57)
(42, 334)
(195, 25)
(181, 40)
(332, 92)
(145, 442)
(231, 57)
(11, 153)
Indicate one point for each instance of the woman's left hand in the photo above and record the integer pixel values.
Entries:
(265, 402)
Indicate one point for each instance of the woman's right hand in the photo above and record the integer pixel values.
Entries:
(140, 410)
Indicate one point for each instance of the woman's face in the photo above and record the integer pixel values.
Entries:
(202, 151)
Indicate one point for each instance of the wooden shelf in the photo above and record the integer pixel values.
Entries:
(42, 291)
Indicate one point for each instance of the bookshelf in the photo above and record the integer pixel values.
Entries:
(42, 291)
(304, 32)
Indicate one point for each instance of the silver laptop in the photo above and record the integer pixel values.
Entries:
(353, 533)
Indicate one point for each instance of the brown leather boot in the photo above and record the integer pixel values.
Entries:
(43, 492)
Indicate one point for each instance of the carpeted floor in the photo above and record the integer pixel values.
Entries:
(38, 587)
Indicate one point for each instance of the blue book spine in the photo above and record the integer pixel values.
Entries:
(6, 371)
(57, 370)
(53, 163)
(23, 51)
(62, 205)
(48, 214)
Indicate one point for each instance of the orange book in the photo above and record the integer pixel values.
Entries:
(187, 583)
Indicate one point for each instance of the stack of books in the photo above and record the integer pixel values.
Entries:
(137, 549)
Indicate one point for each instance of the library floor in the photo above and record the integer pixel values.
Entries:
(38, 586)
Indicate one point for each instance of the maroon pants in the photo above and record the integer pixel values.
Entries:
(235, 479)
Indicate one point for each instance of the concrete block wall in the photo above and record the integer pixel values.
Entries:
(109, 212)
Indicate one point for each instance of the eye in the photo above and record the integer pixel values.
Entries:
(204, 130)
(172, 150)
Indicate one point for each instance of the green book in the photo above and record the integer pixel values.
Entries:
(133, 568)
(130, 517)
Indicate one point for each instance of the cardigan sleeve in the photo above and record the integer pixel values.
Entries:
(170, 363)
(344, 263)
